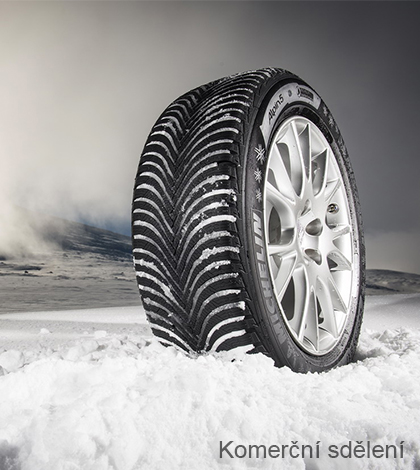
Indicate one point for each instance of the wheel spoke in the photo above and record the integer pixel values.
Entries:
(277, 197)
(291, 152)
(310, 327)
(341, 261)
(284, 274)
(337, 299)
(327, 317)
(331, 188)
(279, 177)
(280, 250)
(305, 318)
(319, 173)
(340, 230)
(303, 140)
(301, 285)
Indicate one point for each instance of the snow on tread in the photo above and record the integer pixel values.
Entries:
(186, 186)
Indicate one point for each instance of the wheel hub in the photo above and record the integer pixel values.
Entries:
(308, 237)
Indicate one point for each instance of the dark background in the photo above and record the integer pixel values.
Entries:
(82, 83)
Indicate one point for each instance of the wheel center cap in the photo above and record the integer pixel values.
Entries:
(309, 230)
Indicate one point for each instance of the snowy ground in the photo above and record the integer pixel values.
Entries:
(92, 390)
(83, 387)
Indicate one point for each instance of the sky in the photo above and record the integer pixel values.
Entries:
(82, 83)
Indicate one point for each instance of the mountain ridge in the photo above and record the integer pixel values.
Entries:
(80, 266)
(41, 234)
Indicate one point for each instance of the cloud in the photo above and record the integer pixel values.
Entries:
(22, 234)
(77, 107)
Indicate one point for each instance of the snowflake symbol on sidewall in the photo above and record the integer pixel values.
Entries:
(260, 153)
(258, 175)
(258, 195)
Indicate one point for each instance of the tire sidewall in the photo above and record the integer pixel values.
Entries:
(275, 103)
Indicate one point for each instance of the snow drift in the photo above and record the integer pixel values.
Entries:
(121, 401)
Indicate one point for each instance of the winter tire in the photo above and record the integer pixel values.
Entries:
(246, 224)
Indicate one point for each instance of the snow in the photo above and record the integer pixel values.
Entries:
(393, 311)
(93, 390)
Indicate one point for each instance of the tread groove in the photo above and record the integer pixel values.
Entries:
(186, 245)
